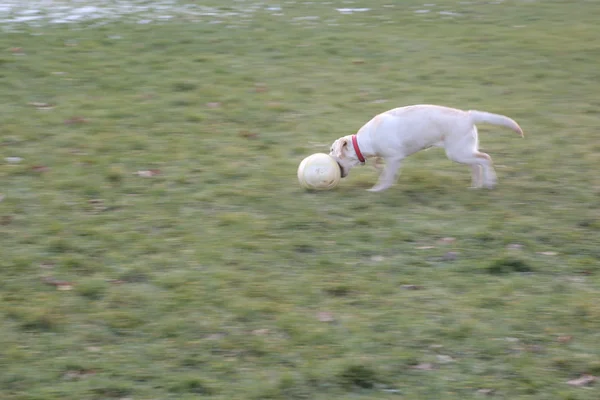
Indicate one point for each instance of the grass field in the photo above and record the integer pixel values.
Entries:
(155, 243)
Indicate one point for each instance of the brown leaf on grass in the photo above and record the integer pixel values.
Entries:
(325, 316)
(47, 265)
(534, 348)
(450, 256)
(41, 106)
(248, 134)
(425, 247)
(424, 367)
(78, 152)
(16, 49)
(51, 281)
(60, 285)
(148, 173)
(260, 87)
(583, 380)
(412, 287)
(2, 197)
(215, 336)
(261, 332)
(358, 61)
(447, 240)
(116, 281)
(40, 169)
(565, 339)
(213, 104)
(6, 219)
(78, 374)
(98, 204)
(76, 120)
(444, 359)
(486, 392)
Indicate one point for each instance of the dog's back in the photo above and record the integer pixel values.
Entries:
(413, 128)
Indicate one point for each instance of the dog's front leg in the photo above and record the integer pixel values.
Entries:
(378, 164)
(387, 176)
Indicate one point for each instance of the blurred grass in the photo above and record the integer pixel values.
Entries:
(218, 276)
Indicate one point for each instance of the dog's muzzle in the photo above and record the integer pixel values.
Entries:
(342, 173)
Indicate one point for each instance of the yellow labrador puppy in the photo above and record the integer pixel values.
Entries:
(395, 134)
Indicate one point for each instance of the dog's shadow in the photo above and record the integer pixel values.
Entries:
(423, 188)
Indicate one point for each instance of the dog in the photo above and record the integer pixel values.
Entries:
(395, 134)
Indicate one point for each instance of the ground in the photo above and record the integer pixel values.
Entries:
(156, 243)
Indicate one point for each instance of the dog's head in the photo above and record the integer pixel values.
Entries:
(343, 152)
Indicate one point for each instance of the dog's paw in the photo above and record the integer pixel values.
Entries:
(378, 188)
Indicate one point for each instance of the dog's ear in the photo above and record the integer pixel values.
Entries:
(338, 147)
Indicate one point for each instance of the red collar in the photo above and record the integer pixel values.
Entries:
(357, 150)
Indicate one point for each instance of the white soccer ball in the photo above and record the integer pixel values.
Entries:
(319, 171)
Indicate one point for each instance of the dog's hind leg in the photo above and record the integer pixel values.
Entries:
(465, 152)
(476, 177)
(489, 174)
(388, 175)
(479, 162)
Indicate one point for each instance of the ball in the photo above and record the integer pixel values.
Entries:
(319, 171)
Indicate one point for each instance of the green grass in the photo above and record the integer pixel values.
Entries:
(219, 277)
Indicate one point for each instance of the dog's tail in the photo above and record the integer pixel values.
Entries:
(495, 119)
